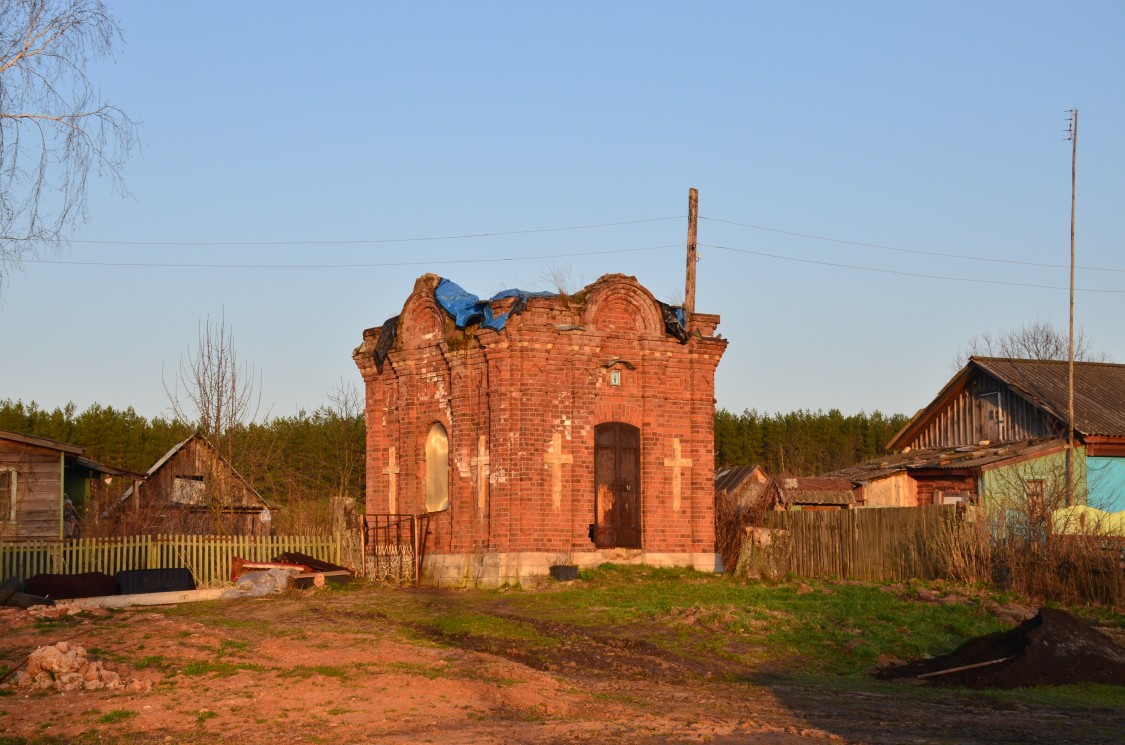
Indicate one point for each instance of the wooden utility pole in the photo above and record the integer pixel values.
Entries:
(693, 219)
(1072, 135)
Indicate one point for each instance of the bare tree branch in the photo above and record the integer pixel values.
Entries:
(1038, 340)
(213, 391)
(54, 126)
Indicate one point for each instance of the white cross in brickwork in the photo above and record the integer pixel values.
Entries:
(555, 459)
(392, 470)
(676, 464)
(481, 462)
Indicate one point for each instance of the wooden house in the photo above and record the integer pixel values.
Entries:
(38, 477)
(192, 489)
(952, 475)
(1000, 426)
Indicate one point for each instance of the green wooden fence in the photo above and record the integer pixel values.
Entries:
(889, 543)
(207, 556)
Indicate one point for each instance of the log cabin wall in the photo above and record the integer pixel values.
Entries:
(986, 409)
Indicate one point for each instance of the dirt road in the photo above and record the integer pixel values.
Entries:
(341, 667)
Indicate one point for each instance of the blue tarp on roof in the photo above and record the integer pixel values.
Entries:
(466, 308)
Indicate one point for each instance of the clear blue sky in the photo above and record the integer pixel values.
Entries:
(926, 126)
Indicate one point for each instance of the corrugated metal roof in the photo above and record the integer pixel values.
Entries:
(730, 478)
(1099, 390)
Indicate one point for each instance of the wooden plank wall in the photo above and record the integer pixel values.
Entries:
(208, 557)
(965, 420)
(885, 544)
(38, 490)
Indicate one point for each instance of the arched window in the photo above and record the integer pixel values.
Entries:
(437, 469)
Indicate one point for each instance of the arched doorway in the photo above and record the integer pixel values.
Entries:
(617, 486)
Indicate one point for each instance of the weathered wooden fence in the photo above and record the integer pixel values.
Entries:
(207, 556)
(889, 543)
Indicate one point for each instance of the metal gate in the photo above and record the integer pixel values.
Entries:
(396, 546)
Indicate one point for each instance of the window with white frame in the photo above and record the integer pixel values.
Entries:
(7, 495)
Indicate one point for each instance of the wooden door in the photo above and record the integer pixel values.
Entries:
(617, 486)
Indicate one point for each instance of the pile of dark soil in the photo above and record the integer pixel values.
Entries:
(1053, 648)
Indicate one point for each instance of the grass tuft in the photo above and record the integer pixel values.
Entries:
(116, 716)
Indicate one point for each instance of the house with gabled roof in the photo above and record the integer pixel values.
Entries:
(192, 489)
(999, 420)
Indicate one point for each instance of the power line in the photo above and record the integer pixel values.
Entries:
(364, 241)
(154, 265)
(905, 274)
(907, 250)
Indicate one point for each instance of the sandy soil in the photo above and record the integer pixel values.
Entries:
(306, 669)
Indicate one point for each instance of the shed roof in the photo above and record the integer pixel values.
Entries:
(966, 457)
(73, 451)
(730, 478)
(41, 442)
(816, 490)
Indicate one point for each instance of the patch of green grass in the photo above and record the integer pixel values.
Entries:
(308, 671)
(830, 627)
(339, 711)
(237, 623)
(453, 622)
(1080, 696)
(220, 668)
(204, 715)
(232, 646)
(116, 716)
(155, 661)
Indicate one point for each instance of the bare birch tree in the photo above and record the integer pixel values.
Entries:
(55, 127)
(345, 416)
(217, 395)
(213, 391)
(1038, 340)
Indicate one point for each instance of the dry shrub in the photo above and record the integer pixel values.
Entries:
(734, 518)
(1024, 540)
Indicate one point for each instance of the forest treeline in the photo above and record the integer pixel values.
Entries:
(311, 456)
(802, 442)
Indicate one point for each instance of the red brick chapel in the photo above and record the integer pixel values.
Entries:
(542, 428)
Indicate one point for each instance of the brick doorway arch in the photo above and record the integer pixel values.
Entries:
(617, 485)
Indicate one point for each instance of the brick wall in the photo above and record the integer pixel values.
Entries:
(520, 407)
